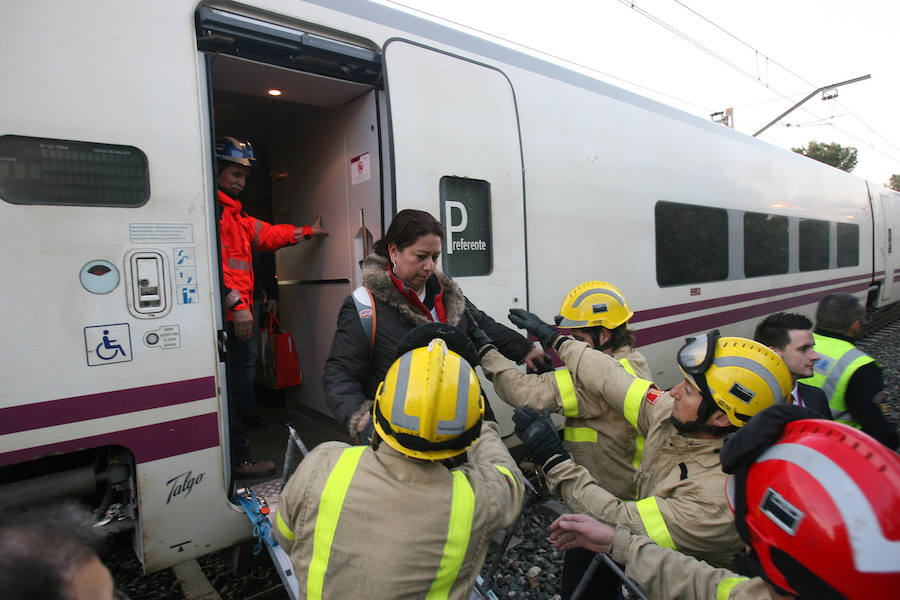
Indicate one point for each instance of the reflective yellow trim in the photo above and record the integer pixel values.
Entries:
(330, 504)
(283, 528)
(579, 434)
(638, 451)
(567, 392)
(509, 474)
(723, 590)
(628, 367)
(654, 522)
(462, 513)
(633, 398)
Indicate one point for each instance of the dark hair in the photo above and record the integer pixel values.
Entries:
(773, 330)
(407, 227)
(621, 336)
(837, 312)
(38, 547)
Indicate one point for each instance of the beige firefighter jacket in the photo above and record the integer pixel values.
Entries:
(680, 483)
(596, 434)
(663, 573)
(391, 533)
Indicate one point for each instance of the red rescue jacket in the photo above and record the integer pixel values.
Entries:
(240, 234)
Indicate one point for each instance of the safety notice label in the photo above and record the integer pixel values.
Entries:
(359, 169)
(161, 233)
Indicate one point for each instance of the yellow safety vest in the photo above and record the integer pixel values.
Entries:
(839, 360)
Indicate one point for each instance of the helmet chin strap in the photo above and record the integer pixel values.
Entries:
(698, 427)
(704, 411)
(594, 332)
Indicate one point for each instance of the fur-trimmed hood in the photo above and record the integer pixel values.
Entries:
(376, 278)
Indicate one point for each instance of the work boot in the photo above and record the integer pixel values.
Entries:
(250, 468)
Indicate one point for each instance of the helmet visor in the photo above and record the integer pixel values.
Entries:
(697, 354)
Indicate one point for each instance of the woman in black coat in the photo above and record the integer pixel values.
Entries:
(407, 291)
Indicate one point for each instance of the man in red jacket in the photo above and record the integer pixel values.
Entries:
(240, 234)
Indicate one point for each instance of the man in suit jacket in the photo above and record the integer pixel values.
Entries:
(790, 336)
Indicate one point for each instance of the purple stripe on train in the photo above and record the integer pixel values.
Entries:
(651, 335)
(106, 404)
(148, 443)
(677, 309)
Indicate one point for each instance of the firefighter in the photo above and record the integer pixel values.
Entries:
(241, 234)
(596, 434)
(390, 520)
(680, 484)
(815, 501)
(851, 379)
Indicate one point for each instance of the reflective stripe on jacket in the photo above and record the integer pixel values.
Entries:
(664, 573)
(240, 234)
(680, 484)
(839, 360)
(596, 434)
(363, 523)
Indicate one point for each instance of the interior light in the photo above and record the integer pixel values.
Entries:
(778, 205)
(274, 92)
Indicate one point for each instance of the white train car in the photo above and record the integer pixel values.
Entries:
(543, 177)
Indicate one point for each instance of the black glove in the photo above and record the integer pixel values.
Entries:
(540, 435)
(475, 332)
(533, 324)
(744, 446)
(456, 340)
(365, 436)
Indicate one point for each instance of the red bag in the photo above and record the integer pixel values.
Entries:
(278, 366)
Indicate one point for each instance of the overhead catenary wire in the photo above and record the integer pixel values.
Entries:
(868, 143)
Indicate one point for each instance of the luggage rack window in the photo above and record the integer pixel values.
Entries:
(70, 173)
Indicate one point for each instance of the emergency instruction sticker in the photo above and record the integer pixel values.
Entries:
(168, 336)
(107, 344)
(359, 169)
(161, 233)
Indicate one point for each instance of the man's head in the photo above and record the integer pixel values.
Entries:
(818, 503)
(48, 554)
(596, 312)
(727, 381)
(841, 314)
(789, 335)
(429, 405)
(234, 159)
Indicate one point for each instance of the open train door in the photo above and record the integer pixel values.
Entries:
(456, 153)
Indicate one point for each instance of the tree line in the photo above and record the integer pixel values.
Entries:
(841, 157)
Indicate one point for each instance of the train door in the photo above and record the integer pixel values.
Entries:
(890, 213)
(308, 103)
(457, 153)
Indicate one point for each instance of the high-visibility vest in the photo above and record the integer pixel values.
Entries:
(459, 528)
(839, 360)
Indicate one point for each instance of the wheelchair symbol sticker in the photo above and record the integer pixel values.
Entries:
(107, 344)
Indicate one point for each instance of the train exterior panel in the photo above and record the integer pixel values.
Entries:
(543, 177)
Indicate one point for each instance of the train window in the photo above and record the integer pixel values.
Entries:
(765, 244)
(47, 171)
(847, 244)
(466, 215)
(814, 244)
(691, 244)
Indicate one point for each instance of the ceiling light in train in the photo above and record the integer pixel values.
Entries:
(274, 92)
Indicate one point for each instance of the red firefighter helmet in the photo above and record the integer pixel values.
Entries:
(821, 510)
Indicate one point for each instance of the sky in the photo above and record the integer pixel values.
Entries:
(758, 57)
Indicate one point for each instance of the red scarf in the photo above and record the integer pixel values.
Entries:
(413, 297)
